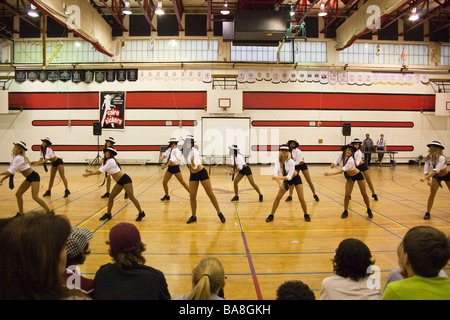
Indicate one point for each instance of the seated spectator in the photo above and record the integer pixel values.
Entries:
(425, 252)
(77, 248)
(208, 280)
(351, 264)
(399, 273)
(33, 258)
(295, 290)
(128, 278)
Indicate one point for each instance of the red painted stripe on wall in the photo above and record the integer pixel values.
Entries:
(51, 100)
(90, 100)
(284, 123)
(95, 148)
(166, 100)
(148, 123)
(337, 101)
(324, 148)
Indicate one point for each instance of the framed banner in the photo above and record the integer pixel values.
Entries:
(112, 110)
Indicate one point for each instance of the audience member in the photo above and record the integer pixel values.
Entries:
(351, 264)
(425, 251)
(208, 278)
(295, 290)
(33, 258)
(128, 278)
(77, 248)
(399, 273)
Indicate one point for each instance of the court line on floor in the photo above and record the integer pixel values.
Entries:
(247, 250)
(363, 206)
(82, 222)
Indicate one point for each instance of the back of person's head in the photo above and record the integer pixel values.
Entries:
(295, 290)
(428, 250)
(77, 246)
(126, 246)
(32, 257)
(352, 259)
(207, 277)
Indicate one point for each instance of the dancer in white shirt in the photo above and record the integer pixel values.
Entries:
(435, 168)
(362, 166)
(347, 163)
(289, 177)
(241, 169)
(198, 174)
(19, 163)
(123, 181)
(47, 154)
(300, 165)
(174, 158)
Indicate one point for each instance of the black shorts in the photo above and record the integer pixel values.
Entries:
(124, 180)
(57, 162)
(294, 181)
(174, 169)
(33, 177)
(246, 171)
(301, 167)
(199, 176)
(444, 178)
(356, 177)
(362, 167)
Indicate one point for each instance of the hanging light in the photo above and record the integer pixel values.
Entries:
(126, 9)
(414, 15)
(32, 12)
(292, 12)
(322, 10)
(159, 9)
(225, 9)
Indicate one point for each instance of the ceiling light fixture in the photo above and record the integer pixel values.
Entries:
(322, 10)
(414, 15)
(126, 9)
(32, 12)
(159, 9)
(225, 9)
(292, 12)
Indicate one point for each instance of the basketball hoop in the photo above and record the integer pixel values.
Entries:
(224, 103)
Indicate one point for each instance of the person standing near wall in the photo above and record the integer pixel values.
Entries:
(47, 154)
(381, 148)
(368, 148)
(436, 162)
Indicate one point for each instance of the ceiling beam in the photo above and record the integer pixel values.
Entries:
(179, 10)
(148, 11)
(116, 16)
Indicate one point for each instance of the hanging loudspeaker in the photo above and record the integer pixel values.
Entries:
(346, 129)
(97, 129)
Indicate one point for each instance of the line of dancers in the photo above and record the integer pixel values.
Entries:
(288, 166)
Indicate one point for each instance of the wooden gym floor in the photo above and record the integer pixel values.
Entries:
(257, 256)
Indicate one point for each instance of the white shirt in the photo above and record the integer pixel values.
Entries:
(440, 165)
(240, 161)
(340, 288)
(18, 163)
(350, 165)
(49, 154)
(197, 159)
(296, 155)
(358, 157)
(110, 167)
(174, 155)
(289, 166)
